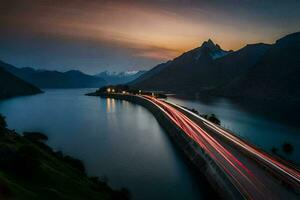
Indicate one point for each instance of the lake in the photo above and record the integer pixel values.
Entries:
(115, 139)
(123, 141)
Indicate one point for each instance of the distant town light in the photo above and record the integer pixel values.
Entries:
(124, 92)
(113, 90)
(140, 91)
(108, 89)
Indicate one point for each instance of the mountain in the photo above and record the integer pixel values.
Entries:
(276, 76)
(150, 73)
(202, 68)
(235, 64)
(11, 85)
(55, 79)
(114, 78)
(186, 72)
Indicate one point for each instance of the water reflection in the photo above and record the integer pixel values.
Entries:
(281, 112)
(110, 105)
(114, 138)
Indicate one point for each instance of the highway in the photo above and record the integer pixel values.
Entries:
(254, 173)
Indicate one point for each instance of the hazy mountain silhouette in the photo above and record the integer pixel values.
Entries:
(11, 85)
(276, 76)
(187, 72)
(150, 73)
(203, 68)
(55, 79)
(119, 77)
(239, 62)
(257, 71)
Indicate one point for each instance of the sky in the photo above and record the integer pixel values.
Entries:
(120, 35)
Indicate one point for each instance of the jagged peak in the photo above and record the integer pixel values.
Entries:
(210, 48)
(208, 43)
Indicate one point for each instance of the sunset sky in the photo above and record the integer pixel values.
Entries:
(93, 36)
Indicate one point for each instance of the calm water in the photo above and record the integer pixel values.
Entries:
(117, 139)
(123, 141)
(257, 125)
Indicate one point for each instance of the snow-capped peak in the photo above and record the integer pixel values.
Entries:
(214, 50)
(118, 74)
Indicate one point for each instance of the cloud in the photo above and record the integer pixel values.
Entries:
(142, 32)
(157, 53)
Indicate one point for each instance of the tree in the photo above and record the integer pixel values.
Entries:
(213, 118)
(287, 148)
(75, 163)
(3, 123)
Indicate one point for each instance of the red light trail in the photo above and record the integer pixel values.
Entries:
(250, 179)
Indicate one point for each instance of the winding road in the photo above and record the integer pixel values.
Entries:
(254, 173)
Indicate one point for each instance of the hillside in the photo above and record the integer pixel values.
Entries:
(187, 71)
(11, 86)
(237, 63)
(55, 79)
(201, 69)
(155, 70)
(258, 71)
(31, 170)
(275, 77)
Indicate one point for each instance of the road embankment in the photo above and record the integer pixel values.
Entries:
(194, 154)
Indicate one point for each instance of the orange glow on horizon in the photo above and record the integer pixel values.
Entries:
(152, 32)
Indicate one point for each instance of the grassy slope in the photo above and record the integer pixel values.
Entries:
(53, 178)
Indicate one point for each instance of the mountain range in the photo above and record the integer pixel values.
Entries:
(54, 79)
(257, 71)
(114, 78)
(202, 68)
(276, 75)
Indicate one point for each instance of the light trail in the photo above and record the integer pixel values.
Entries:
(248, 183)
(292, 172)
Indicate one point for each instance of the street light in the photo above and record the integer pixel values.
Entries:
(113, 90)
(108, 90)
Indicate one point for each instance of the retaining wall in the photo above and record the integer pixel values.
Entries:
(196, 155)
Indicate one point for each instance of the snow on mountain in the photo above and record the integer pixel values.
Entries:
(214, 50)
(120, 77)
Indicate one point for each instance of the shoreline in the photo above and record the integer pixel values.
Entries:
(194, 155)
(30, 169)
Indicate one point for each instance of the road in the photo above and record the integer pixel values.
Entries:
(254, 173)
